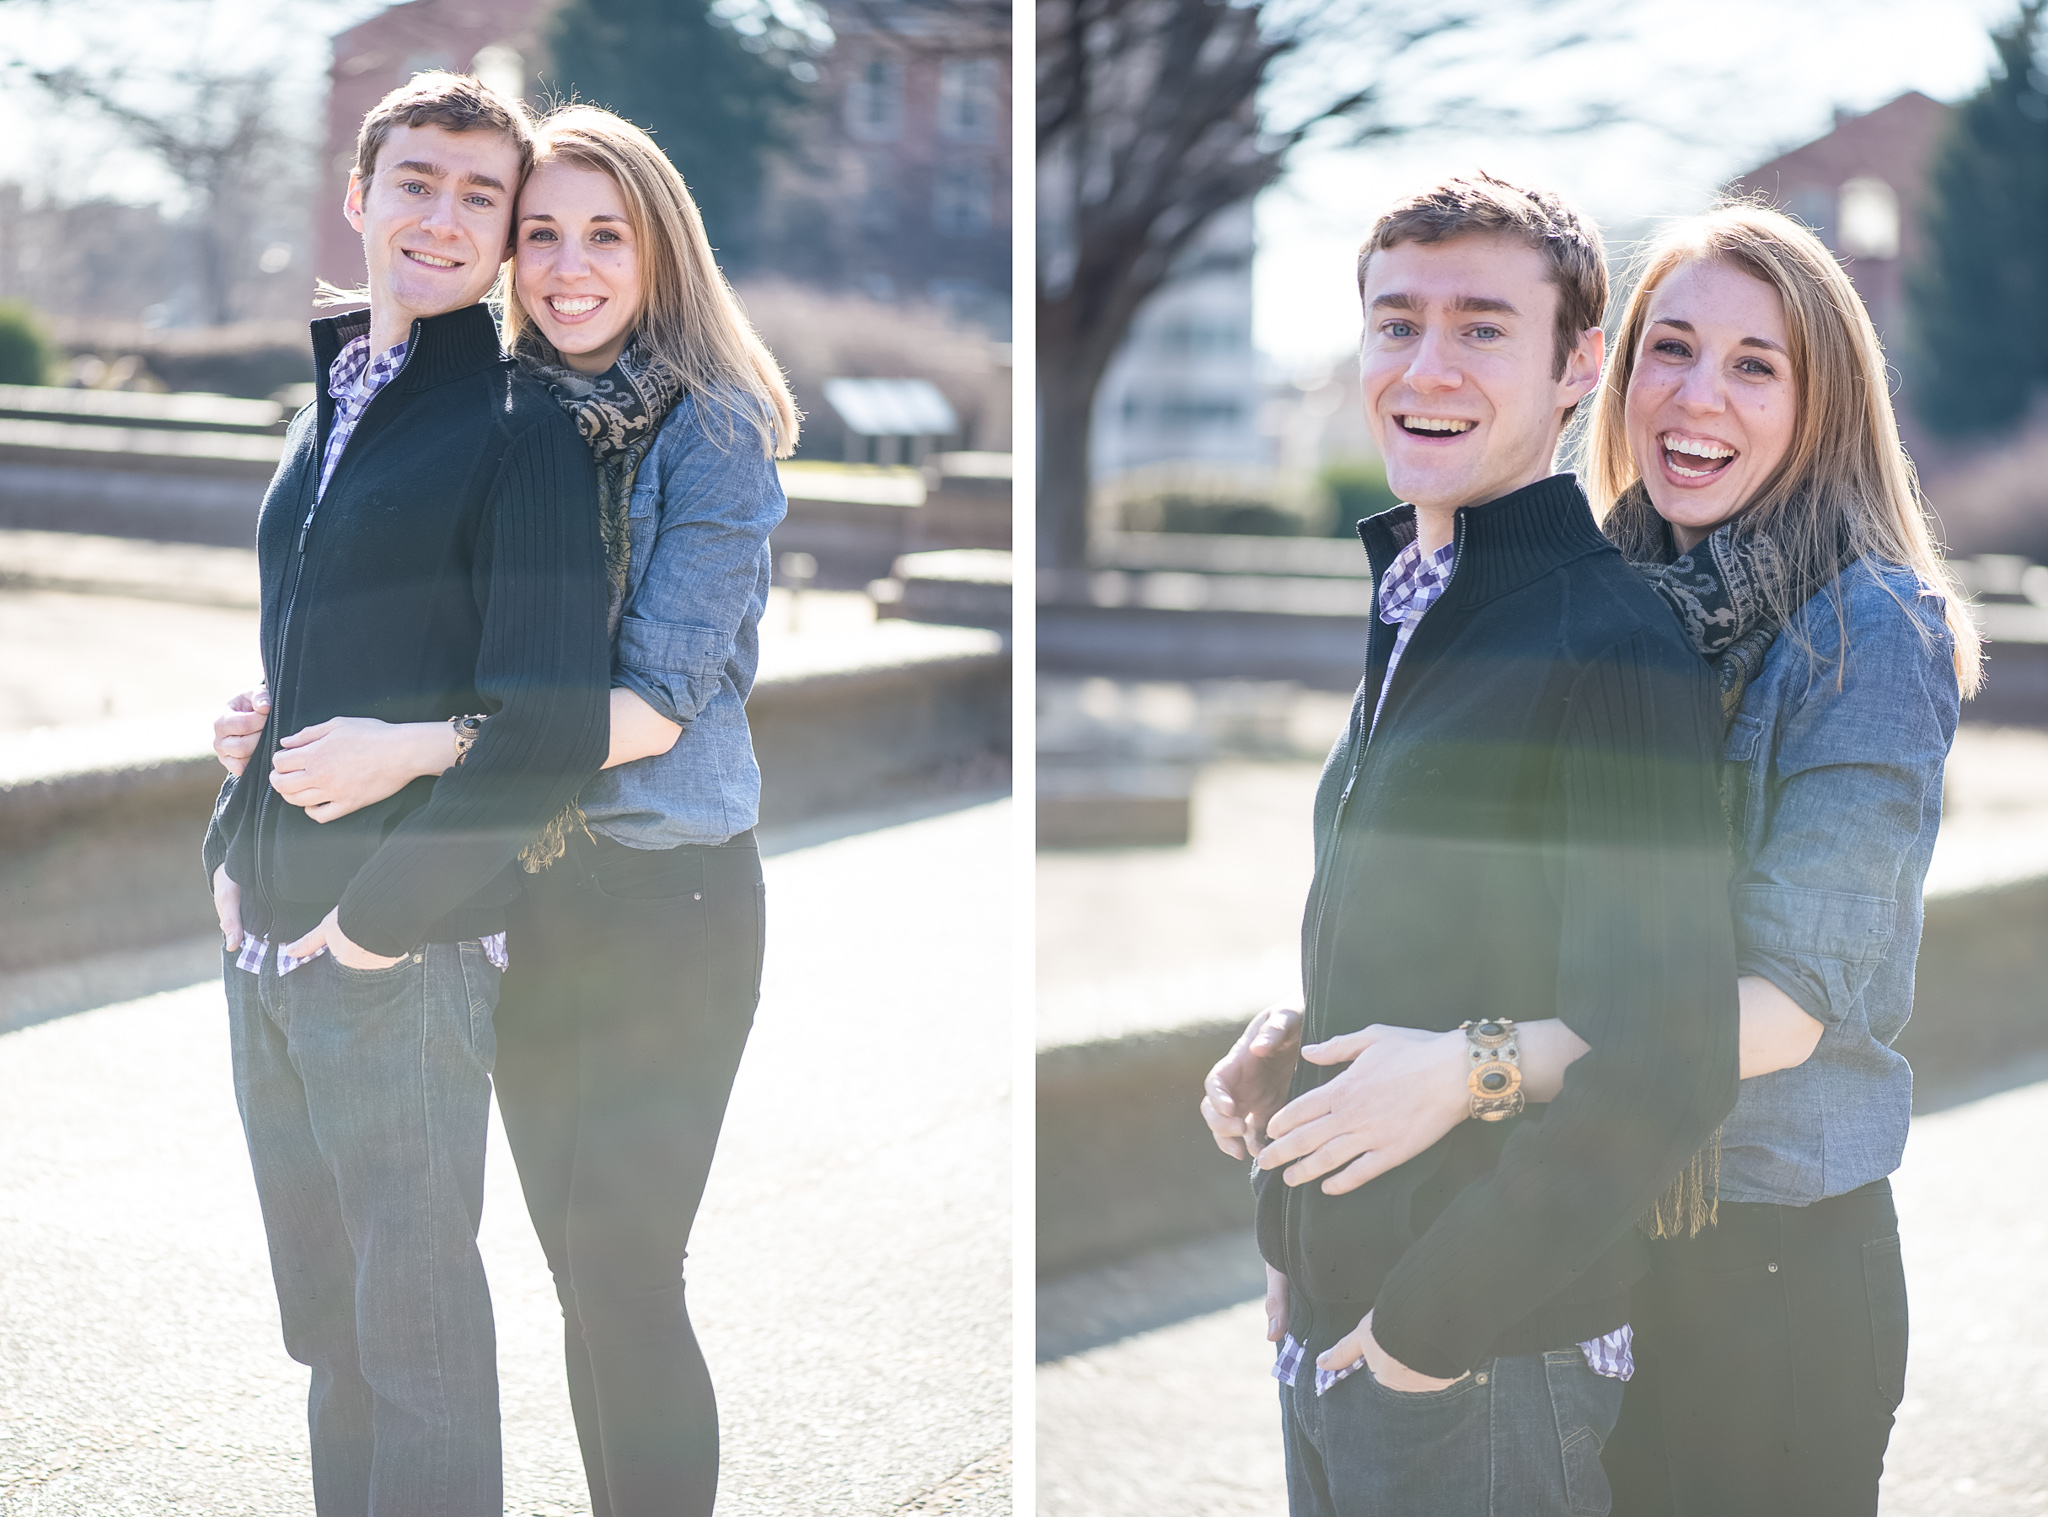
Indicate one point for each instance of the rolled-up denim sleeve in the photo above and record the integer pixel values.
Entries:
(718, 499)
(1857, 763)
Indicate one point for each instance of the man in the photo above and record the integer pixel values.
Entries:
(429, 549)
(1520, 823)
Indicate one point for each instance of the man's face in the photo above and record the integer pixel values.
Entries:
(1457, 365)
(436, 217)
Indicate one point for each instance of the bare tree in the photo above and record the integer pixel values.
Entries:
(220, 138)
(1153, 117)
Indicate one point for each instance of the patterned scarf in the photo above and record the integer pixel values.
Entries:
(618, 414)
(1722, 594)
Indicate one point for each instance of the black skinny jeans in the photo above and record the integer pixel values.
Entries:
(1770, 1358)
(620, 1026)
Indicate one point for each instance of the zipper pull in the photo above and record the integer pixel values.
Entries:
(307, 525)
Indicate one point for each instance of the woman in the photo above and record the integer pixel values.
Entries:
(635, 955)
(1746, 452)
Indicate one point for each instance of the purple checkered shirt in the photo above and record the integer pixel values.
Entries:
(352, 379)
(250, 957)
(1408, 589)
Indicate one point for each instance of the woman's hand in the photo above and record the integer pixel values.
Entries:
(350, 762)
(1404, 1090)
(237, 730)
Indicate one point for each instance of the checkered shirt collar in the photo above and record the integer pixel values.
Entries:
(1413, 582)
(353, 377)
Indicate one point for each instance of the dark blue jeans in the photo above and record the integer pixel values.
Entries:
(1518, 1437)
(365, 1097)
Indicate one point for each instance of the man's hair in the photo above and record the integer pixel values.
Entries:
(1481, 204)
(453, 102)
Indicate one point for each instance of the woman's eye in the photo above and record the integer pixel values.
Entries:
(1757, 368)
(1671, 347)
(606, 237)
(540, 234)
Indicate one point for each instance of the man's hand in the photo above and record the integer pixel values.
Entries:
(1250, 1081)
(227, 905)
(329, 932)
(1276, 1305)
(1404, 1090)
(1381, 1365)
(349, 762)
(237, 730)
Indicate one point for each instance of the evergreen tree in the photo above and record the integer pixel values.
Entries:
(1980, 297)
(713, 83)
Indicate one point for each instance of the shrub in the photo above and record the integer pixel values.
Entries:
(24, 351)
(1356, 488)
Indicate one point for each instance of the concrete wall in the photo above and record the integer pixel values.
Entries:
(99, 860)
(1125, 1163)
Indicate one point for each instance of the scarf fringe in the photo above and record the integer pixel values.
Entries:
(1691, 1203)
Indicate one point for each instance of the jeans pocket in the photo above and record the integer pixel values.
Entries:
(1438, 1397)
(1884, 1284)
(382, 976)
(1584, 1407)
(480, 984)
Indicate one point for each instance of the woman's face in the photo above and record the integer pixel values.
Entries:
(1712, 402)
(577, 265)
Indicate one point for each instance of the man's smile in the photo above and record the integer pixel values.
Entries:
(431, 260)
(1434, 426)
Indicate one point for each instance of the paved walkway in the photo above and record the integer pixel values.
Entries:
(1183, 1419)
(864, 1170)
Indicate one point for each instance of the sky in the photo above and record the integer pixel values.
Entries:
(73, 155)
(1743, 79)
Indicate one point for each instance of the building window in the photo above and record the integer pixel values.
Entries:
(963, 202)
(1191, 413)
(874, 101)
(967, 99)
(1869, 219)
(501, 67)
(878, 208)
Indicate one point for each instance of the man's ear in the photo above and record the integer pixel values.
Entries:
(1582, 369)
(352, 202)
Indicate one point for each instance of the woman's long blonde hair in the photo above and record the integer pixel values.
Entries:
(690, 318)
(1845, 482)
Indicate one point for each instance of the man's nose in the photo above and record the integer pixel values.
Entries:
(440, 216)
(1432, 370)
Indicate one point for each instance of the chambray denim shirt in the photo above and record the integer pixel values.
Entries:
(689, 641)
(1834, 797)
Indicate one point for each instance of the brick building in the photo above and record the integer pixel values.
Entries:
(1861, 187)
(898, 184)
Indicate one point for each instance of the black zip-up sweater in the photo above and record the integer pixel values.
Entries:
(453, 566)
(1532, 831)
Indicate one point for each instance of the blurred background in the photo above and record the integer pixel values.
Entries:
(171, 183)
(1205, 176)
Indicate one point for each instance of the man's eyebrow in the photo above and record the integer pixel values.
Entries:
(1395, 300)
(1747, 342)
(435, 171)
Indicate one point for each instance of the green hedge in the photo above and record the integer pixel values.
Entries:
(25, 352)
